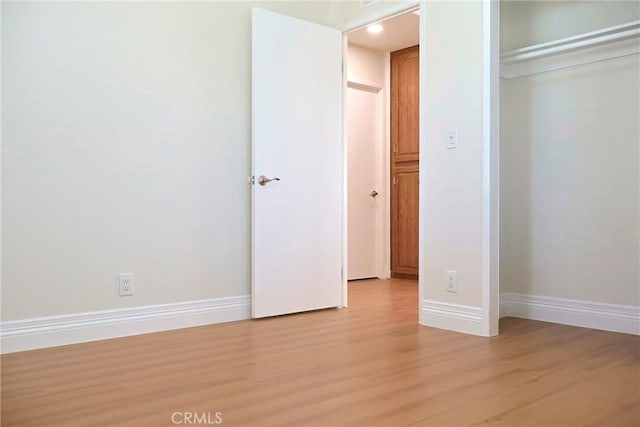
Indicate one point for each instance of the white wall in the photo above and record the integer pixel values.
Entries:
(570, 168)
(451, 180)
(365, 66)
(126, 148)
(569, 183)
(531, 22)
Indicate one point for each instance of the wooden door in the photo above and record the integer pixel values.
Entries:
(404, 162)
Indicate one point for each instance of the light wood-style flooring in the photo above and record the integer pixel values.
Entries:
(368, 365)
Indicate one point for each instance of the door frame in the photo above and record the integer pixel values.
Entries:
(490, 152)
(384, 262)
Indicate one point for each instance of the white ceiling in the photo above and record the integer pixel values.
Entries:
(399, 32)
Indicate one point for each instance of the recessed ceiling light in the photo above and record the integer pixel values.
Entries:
(374, 28)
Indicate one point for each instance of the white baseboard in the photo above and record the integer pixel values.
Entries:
(587, 314)
(453, 317)
(29, 334)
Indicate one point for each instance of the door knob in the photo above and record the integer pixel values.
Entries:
(374, 193)
(263, 180)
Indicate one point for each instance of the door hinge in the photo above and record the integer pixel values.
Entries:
(395, 179)
(395, 148)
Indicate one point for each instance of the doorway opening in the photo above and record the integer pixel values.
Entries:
(382, 120)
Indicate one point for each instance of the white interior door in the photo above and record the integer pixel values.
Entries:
(297, 221)
(364, 200)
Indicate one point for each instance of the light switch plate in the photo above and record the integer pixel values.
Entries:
(452, 138)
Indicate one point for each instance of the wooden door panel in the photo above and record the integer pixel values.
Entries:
(404, 104)
(404, 240)
(404, 162)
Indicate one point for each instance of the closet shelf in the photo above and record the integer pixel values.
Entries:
(600, 45)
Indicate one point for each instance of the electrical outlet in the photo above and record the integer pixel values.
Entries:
(452, 281)
(126, 284)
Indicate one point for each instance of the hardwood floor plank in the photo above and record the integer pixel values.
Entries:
(368, 365)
